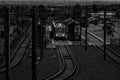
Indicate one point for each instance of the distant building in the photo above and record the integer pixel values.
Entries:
(101, 14)
(108, 14)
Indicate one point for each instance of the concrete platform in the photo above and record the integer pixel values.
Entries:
(58, 42)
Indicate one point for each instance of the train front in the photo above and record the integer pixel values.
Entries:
(60, 31)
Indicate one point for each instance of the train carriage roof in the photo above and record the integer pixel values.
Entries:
(60, 25)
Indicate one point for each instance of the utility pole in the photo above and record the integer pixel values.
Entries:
(105, 33)
(86, 25)
(41, 37)
(34, 73)
(80, 25)
(22, 17)
(7, 42)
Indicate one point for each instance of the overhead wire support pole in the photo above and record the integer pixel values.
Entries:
(42, 36)
(7, 42)
(34, 73)
(37, 39)
(86, 25)
(80, 25)
(105, 33)
(22, 17)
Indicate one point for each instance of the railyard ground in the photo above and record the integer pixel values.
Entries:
(92, 65)
(45, 68)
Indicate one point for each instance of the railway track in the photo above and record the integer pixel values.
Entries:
(67, 64)
(98, 44)
(18, 52)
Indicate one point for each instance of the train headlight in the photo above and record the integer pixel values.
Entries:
(56, 34)
(63, 34)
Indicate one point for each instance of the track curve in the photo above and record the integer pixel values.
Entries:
(13, 63)
(69, 65)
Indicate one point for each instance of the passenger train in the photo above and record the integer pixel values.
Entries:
(60, 31)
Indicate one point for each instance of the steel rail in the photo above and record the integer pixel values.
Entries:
(14, 63)
(100, 40)
(110, 53)
(61, 68)
(74, 63)
(25, 51)
(15, 51)
(70, 65)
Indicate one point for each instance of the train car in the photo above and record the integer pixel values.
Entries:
(60, 31)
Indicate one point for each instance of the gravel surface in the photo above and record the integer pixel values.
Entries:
(45, 68)
(49, 65)
(12, 47)
(92, 66)
(23, 70)
(97, 30)
(115, 48)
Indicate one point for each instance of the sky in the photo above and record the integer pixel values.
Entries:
(59, 0)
